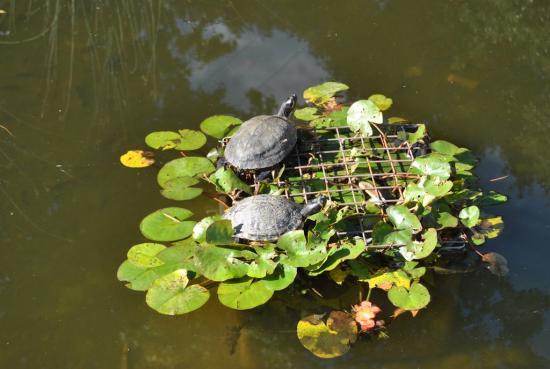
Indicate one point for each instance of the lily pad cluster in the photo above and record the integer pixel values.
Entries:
(184, 260)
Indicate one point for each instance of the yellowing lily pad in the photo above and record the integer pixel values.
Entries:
(383, 102)
(137, 159)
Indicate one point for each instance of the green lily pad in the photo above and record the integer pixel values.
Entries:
(220, 232)
(336, 255)
(222, 263)
(264, 263)
(189, 166)
(218, 126)
(361, 114)
(244, 293)
(306, 114)
(167, 224)
(431, 165)
(445, 147)
(414, 298)
(144, 254)
(487, 228)
(180, 189)
(199, 231)
(300, 253)
(491, 198)
(339, 118)
(170, 294)
(427, 189)
(469, 216)
(328, 340)
(141, 278)
(383, 102)
(398, 238)
(190, 140)
(226, 181)
(163, 140)
(419, 250)
(402, 218)
(322, 93)
(281, 278)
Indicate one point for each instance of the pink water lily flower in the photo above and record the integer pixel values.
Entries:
(365, 314)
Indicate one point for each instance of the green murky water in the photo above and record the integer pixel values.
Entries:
(83, 81)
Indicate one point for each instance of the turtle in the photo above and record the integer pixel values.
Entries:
(267, 217)
(263, 141)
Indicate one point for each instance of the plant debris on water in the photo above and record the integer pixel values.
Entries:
(188, 259)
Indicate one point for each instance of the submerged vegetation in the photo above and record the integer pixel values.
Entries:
(440, 203)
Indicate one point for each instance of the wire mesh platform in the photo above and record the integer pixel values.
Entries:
(352, 171)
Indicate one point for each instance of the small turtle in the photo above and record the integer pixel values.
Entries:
(266, 217)
(262, 141)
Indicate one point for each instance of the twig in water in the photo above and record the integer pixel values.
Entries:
(499, 178)
(7, 130)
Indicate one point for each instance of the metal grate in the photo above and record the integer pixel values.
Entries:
(351, 170)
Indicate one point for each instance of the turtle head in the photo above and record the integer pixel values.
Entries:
(288, 106)
(314, 206)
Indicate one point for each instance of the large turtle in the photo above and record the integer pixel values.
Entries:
(266, 217)
(263, 141)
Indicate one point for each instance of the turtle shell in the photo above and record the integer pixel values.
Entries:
(261, 142)
(264, 217)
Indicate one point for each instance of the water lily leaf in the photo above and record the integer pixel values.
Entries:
(388, 279)
(328, 340)
(339, 118)
(414, 298)
(413, 137)
(336, 255)
(361, 114)
(431, 165)
(469, 216)
(306, 114)
(180, 189)
(402, 218)
(300, 253)
(190, 140)
(218, 126)
(397, 120)
(487, 228)
(383, 102)
(140, 278)
(322, 93)
(137, 159)
(440, 216)
(398, 238)
(420, 250)
(380, 231)
(411, 269)
(220, 232)
(214, 154)
(496, 263)
(281, 278)
(189, 166)
(226, 181)
(222, 263)
(491, 198)
(339, 275)
(264, 263)
(144, 254)
(167, 224)
(170, 295)
(199, 231)
(163, 140)
(445, 147)
(181, 253)
(427, 189)
(244, 293)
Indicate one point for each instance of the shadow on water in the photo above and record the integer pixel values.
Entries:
(84, 81)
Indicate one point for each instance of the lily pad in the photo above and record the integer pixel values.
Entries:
(264, 263)
(491, 198)
(199, 231)
(414, 298)
(298, 252)
(383, 102)
(226, 181)
(220, 232)
(141, 278)
(402, 218)
(361, 114)
(387, 279)
(281, 278)
(244, 293)
(145, 254)
(218, 126)
(190, 140)
(163, 140)
(469, 216)
(167, 224)
(336, 255)
(322, 93)
(170, 294)
(222, 263)
(180, 189)
(306, 114)
(137, 159)
(419, 250)
(328, 340)
(431, 165)
(189, 166)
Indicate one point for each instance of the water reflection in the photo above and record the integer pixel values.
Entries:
(108, 72)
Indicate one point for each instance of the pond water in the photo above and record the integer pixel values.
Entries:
(82, 82)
